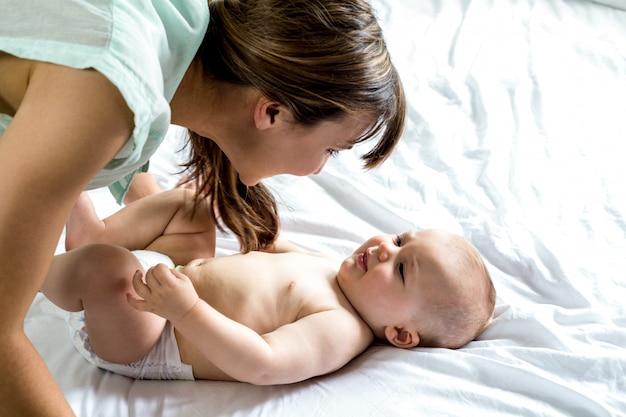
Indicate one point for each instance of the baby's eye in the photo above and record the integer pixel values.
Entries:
(397, 240)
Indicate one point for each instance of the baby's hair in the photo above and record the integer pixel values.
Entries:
(461, 312)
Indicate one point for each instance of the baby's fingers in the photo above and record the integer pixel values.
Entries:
(140, 287)
(142, 290)
(137, 303)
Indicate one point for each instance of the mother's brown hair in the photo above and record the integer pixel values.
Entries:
(322, 59)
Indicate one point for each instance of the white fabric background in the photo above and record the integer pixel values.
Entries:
(515, 139)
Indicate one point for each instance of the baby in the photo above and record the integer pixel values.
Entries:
(269, 318)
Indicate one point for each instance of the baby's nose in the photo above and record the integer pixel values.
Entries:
(383, 251)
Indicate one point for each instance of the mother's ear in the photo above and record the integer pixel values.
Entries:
(402, 336)
(265, 113)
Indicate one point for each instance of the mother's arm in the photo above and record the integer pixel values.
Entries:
(69, 124)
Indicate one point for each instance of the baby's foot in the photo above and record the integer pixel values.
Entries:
(83, 225)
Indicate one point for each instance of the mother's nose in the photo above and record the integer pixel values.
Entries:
(323, 164)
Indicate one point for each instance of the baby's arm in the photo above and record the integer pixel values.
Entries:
(313, 345)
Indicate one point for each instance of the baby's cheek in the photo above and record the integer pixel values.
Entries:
(377, 240)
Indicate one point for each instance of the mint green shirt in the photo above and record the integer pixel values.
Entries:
(143, 47)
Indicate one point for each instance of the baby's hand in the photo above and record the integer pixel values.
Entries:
(165, 292)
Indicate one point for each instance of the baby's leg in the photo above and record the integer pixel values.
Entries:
(162, 222)
(142, 186)
(97, 278)
(83, 225)
(188, 233)
(135, 226)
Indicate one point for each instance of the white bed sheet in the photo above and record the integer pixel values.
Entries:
(516, 138)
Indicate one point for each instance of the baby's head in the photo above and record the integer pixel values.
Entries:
(426, 288)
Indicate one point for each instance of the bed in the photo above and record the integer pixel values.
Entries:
(516, 139)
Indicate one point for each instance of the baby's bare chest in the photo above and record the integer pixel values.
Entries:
(268, 291)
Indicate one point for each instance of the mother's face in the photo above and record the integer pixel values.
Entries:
(279, 145)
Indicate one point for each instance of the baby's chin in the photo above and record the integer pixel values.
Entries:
(347, 266)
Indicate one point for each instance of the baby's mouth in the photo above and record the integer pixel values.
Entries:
(362, 261)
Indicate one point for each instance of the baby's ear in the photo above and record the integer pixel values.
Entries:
(402, 336)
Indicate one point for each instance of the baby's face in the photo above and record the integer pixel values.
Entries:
(390, 277)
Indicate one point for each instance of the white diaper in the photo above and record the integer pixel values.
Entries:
(162, 362)
(148, 259)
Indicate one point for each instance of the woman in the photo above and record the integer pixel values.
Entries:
(88, 89)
